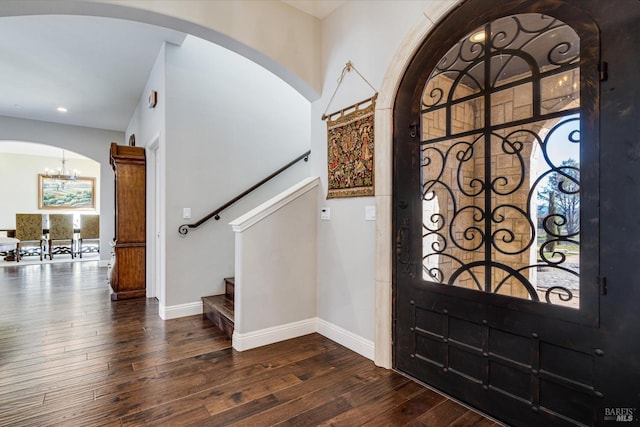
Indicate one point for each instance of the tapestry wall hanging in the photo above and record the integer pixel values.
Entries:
(350, 146)
(350, 152)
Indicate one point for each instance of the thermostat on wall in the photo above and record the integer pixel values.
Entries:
(325, 214)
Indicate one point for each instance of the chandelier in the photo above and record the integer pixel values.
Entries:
(62, 172)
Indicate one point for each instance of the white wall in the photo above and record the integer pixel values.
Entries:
(148, 126)
(368, 34)
(91, 143)
(147, 122)
(373, 35)
(204, 136)
(276, 252)
(229, 123)
(20, 172)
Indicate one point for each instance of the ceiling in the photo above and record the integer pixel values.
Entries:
(94, 67)
(318, 8)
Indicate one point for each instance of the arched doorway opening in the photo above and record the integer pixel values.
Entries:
(29, 171)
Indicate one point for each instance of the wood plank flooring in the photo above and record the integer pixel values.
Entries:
(71, 357)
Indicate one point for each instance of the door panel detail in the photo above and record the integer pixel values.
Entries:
(527, 370)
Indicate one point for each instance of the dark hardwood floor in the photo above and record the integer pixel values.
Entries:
(69, 356)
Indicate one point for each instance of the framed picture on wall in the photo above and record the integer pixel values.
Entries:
(66, 193)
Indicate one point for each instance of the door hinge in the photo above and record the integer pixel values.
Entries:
(603, 69)
(602, 284)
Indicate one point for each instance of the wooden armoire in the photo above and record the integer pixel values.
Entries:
(127, 275)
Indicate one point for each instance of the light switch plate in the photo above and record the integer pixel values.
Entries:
(369, 213)
(186, 213)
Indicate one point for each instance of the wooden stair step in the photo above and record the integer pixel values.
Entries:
(219, 309)
(229, 287)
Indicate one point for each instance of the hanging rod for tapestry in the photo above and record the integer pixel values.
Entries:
(347, 68)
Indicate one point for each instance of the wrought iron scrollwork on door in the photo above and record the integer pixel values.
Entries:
(500, 138)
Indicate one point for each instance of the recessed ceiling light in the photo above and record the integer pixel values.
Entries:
(62, 109)
(478, 37)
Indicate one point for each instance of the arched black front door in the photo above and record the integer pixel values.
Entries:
(516, 174)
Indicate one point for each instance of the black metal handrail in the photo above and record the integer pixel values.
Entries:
(184, 228)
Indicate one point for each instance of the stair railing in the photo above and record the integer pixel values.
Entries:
(184, 228)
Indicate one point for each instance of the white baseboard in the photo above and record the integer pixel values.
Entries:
(275, 334)
(180, 310)
(272, 335)
(249, 340)
(346, 338)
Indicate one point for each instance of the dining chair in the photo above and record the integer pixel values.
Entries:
(29, 234)
(61, 238)
(89, 231)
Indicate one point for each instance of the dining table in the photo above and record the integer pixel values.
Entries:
(8, 232)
